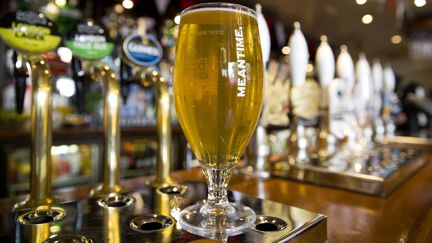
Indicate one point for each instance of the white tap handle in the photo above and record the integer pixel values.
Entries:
(345, 68)
(264, 35)
(363, 73)
(377, 74)
(377, 78)
(389, 80)
(325, 63)
(337, 123)
(362, 66)
(299, 55)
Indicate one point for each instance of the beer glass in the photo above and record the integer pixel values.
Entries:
(218, 95)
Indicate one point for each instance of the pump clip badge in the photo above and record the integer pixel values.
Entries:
(29, 32)
(89, 41)
(142, 50)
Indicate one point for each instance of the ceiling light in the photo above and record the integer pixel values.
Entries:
(367, 19)
(419, 3)
(286, 50)
(127, 4)
(361, 2)
(396, 39)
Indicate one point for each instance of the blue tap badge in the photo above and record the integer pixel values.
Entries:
(142, 50)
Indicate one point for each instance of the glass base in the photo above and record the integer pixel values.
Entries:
(195, 221)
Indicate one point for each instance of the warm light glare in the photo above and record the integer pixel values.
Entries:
(361, 2)
(55, 228)
(419, 3)
(64, 149)
(113, 100)
(367, 19)
(177, 19)
(41, 97)
(286, 50)
(309, 68)
(357, 167)
(396, 39)
(118, 8)
(18, 64)
(65, 54)
(52, 9)
(127, 4)
(66, 86)
(60, 3)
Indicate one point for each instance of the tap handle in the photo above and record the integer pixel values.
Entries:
(20, 82)
(80, 85)
(125, 74)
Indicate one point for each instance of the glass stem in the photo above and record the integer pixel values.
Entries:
(217, 203)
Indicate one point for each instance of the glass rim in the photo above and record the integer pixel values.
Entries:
(220, 5)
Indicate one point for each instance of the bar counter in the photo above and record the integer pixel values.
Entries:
(403, 216)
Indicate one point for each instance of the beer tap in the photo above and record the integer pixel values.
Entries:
(111, 121)
(31, 34)
(258, 149)
(41, 133)
(257, 153)
(89, 44)
(377, 74)
(345, 72)
(325, 65)
(125, 74)
(141, 52)
(112, 225)
(81, 84)
(390, 97)
(39, 233)
(20, 76)
(302, 96)
(363, 96)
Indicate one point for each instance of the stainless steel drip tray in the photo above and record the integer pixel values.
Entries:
(152, 219)
(378, 172)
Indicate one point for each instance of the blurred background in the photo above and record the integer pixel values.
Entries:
(397, 32)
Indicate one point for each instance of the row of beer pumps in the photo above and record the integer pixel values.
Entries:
(31, 34)
(354, 104)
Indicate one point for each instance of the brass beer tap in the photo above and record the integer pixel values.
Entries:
(147, 77)
(111, 131)
(30, 42)
(41, 134)
(140, 53)
(89, 44)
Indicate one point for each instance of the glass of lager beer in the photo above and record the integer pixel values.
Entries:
(218, 95)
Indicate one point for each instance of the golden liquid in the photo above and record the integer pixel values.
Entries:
(217, 123)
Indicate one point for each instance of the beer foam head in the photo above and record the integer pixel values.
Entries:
(230, 8)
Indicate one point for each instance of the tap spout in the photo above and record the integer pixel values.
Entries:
(41, 134)
(111, 133)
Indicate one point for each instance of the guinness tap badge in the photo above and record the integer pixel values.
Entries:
(29, 32)
(142, 50)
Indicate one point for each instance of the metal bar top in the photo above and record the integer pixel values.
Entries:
(403, 216)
